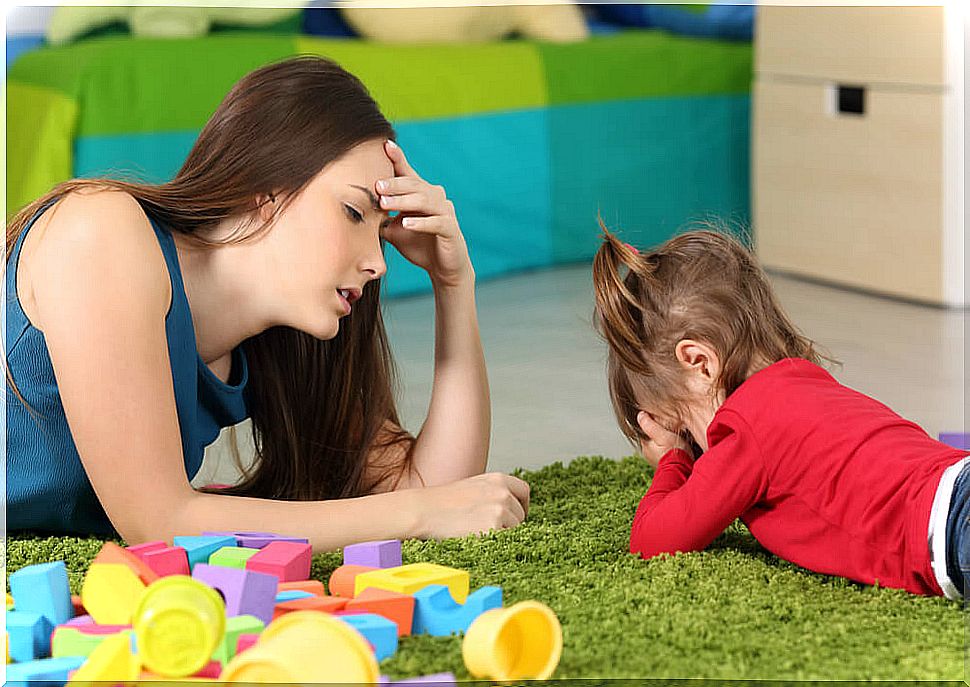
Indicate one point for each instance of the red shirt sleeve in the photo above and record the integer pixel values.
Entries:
(690, 503)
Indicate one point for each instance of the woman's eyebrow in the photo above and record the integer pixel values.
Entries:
(373, 201)
(370, 194)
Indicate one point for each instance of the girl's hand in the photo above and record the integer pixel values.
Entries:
(426, 229)
(657, 439)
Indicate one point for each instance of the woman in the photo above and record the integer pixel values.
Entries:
(142, 319)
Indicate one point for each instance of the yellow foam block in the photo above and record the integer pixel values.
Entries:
(112, 661)
(407, 579)
(10, 605)
(110, 593)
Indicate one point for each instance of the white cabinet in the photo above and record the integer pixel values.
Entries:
(858, 161)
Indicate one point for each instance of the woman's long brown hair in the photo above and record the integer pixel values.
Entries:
(318, 408)
(703, 285)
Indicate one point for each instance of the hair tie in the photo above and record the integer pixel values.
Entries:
(632, 248)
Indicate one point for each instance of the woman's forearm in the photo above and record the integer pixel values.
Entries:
(453, 443)
(328, 525)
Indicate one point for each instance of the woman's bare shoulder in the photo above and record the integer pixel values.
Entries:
(91, 240)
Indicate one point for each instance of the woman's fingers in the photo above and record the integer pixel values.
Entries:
(398, 159)
(435, 226)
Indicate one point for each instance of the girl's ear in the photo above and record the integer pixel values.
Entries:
(698, 357)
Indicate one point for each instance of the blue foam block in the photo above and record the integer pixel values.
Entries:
(43, 588)
(291, 594)
(30, 635)
(436, 613)
(46, 669)
(198, 549)
(378, 630)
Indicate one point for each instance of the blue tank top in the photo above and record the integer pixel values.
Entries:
(47, 488)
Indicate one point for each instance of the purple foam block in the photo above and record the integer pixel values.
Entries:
(956, 440)
(440, 679)
(246, 592)
(374, 554)
(257, 540)
(80, 620)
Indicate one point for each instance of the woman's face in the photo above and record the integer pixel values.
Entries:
(325, 247)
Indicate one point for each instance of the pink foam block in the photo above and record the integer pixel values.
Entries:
(141, 549)
(170, 560)
(374, 554)
(101, 629)
(289, 561)
(245, 641)
(212, 670)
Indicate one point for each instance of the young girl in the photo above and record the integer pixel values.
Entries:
(700, 352)
(142, 319)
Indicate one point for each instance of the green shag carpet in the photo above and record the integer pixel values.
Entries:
(731, 612)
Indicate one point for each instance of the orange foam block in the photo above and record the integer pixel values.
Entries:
(398, 608)
(112, 553)
(314, 587)
(342, 580)
(325, 604)
(289, 561)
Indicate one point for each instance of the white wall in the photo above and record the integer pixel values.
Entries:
(28, 20)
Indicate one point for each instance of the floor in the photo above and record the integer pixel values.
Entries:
(546, 364)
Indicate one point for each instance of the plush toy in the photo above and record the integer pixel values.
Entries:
(144, 19)
(468, 24)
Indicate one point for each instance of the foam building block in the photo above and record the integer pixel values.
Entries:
(289, 561)
(291, 594)
(112, 660)
(408, 579)
(198, 549)
(72, 641)
(95, 629)
(324, 604)
(172, 560)
(342, 579)
(112, 553)
(258, 540)
(10, 603)
(43, 588)
(236, 626)
(110, 593)
(232, 556)
(396, 607)
(43, 670)
(435, 680)
(141, 549)
(29, 635)
(245, 641)
(79, 620)
(956, 440)
(313, 586)
(379, 631)
(78, 605)
(374, 554)
(245, 592)
(437, 614)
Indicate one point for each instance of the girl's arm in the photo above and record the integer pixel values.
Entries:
(99, 290)
(690, 503)
(453, 442)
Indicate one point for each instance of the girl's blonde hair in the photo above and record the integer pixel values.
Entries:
(703, 285)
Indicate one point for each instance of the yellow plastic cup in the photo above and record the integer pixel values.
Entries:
(178, 624)
(303, 647)
(521, 642)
